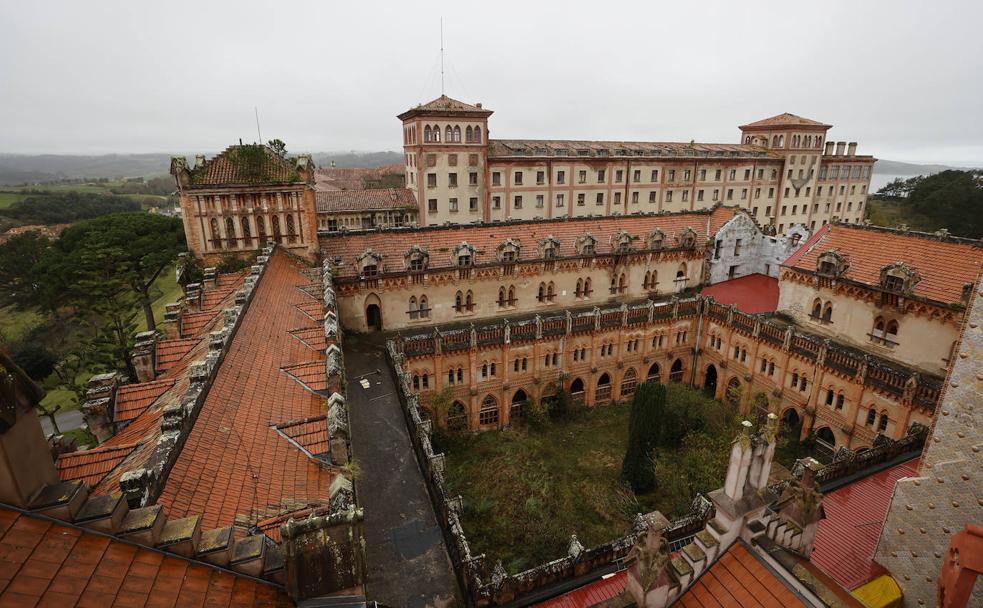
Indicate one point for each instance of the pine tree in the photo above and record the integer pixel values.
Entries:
(645, 433)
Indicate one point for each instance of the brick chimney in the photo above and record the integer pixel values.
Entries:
(851, 148)
(193, 296)
(144, 355)
(323, 554)
(99, 408)
(172, 320)
(839, 148)
(829, 149)
(210, 278)
(26, 465)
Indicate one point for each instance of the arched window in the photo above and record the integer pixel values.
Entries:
(541, 295)
(414, 312)
(426, 133)
(603, 390)
(891, 335)
(457, 134)
(424, 308)
(629, 382)
(829, 397)
(436, 133)
(828, 312)
(518, 400)
(489, 409)
(416, 382)
(291, 229)
(871, 417)
(817, 308)
(459, 301)
(587, 287)
(653, 375)
(580, 288)
(477, 135)
(448, 135)
(623, 283)
(550, 292)
(676, 371)
(511, 300)
(469, 135)
(247, 239)
(501, 297)
(469, 301)
(276, 229)
(216, 235)
(795, 379)
(457, 417)
(882, 423)
(260, 228)
(840, 400)
(680, 280)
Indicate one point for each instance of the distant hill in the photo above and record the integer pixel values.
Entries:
(895, 167)
(40, 168)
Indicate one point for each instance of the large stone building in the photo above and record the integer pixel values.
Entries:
(782, 170)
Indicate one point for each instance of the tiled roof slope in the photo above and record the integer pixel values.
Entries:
(350, 178)
(364, 200)
(230, 168)
(752, 294)
(48, 564)
(235, 468)
(944, 266)
(531, 148)
(92, 465)
(738, 578)
(445, 105)
(441, 241)
(785, 119)
(133, 399)
(847, 538)
(169, 352)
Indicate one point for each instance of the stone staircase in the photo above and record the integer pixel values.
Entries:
(69, 501)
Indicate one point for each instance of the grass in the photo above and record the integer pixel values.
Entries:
(526, 490)
(82, 437)
(11, 194)
(891, 213)
(164, 291)
(9, 198)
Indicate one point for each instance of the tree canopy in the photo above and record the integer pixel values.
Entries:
(949, 199)
(67, 207)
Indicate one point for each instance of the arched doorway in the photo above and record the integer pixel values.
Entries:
(653, 375)
(519, 399)
(710, 381)
(457, 417)
(676, 371)
(488, 414)
(629, 382)
(373, 313)
(733, 394)
(825, 443)
(577, 390)
(603, 390)
(790, 418)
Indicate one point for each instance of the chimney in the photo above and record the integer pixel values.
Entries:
(144, 355)
(26, 465)
(209, 278)
(100, 405)
(478, 105)
(829, 149)
(839, 148)
(851, 148)
(800, 505)
(199, 161)
(172, 320)
(193, 296)
(323, 553)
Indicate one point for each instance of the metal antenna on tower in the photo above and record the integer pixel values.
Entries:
(258, 132)
(441, 56)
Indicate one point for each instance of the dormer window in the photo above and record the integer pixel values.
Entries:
(621, 243)
(892, 283)
(831, 264)
(368, 263)
(898, 278)
(549, 248)
(827, 268)
(687, 240)
(416, 259)
(463, 255)
(657, 240)
(586, 244)
(508, 251)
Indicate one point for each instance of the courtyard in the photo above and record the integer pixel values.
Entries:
(526, 489)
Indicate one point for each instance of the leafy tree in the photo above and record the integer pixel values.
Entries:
(19, 257)
(953, 199)
(124, 250)
(233, 263)
(279, 148)
(644, 435)
(37, 361)
(67, 207)
(560, 406)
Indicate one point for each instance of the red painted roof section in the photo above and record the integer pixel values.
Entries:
(441, 242)
(847, 538)
(337, 201)
(590, 594)
(92, 465)
(752, 294)
(944, 267)
(133, 399)
(46, 564)
(235, 468)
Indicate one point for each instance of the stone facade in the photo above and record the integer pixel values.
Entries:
(926, 511)
(741, 248)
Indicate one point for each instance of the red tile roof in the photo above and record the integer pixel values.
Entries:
(133, 399)
(785, 120)
(738, 578)
(46, 564)
(169, 352)
(847, 538)
(333, 179)
(92, 465)
(234, 166)
(944, 267)
(341, 201)
(445, 105)
(440, 242)
(311, 336)
(310, 433)
(534, 149)
(311, 374)
(752, 294)
(234, 467)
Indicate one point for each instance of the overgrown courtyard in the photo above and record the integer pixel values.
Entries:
(528, 488)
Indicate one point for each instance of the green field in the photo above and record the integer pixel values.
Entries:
(11, 194)
(9, 198)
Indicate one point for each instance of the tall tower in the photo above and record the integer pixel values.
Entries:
(445, 144)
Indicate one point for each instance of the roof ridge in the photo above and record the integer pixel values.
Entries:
(942, 235)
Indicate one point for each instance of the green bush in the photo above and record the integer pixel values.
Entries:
(232, 263)
(37, 361)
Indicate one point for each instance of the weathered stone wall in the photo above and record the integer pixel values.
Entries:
(758, 253)
(927, 510)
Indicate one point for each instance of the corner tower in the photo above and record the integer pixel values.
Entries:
(445, 149)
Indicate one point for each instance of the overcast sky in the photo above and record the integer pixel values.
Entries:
(903, 79)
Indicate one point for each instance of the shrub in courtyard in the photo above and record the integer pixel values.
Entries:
(645, 428)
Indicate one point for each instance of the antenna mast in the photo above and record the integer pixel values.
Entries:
(441, 56)
(258, 132)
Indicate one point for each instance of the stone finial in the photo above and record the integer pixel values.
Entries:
(499, 575)
(648, 579)
(574, 548)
